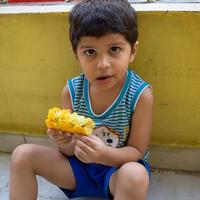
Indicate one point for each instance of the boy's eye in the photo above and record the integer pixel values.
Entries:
(114, 50)
(90, 52)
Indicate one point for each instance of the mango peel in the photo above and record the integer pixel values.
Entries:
(64, 120)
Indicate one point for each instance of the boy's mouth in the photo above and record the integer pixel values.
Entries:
(103, 79)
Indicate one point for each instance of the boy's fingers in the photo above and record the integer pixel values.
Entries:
(54, 132)
(49, 131)
(67, 134)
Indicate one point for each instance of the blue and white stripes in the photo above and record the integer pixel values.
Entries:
(118, 115)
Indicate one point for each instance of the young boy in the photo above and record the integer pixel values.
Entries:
(111, 162)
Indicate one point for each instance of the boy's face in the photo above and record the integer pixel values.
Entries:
(105, 60)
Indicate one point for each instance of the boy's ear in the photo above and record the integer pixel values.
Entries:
(134, 51)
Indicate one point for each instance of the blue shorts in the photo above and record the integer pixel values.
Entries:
(92, 180)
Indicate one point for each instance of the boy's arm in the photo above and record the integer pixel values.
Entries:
(139, 136)
(137, 143)
(66, 104)
(66, 99)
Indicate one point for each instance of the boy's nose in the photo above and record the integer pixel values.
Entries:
(103, 63)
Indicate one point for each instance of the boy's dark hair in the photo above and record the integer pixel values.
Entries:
(99, 17)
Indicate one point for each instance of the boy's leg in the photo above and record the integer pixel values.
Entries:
(29, 160)
(129, 182)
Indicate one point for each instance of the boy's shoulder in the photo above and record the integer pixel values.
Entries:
(76, 83)
(77, 80)
(79, 77)
(135, 77)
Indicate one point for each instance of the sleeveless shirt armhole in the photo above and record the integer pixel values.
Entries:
(71, 91)
(143, 86)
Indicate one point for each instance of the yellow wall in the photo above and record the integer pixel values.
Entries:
(36, 60)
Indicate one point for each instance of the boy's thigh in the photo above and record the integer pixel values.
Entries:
(49, 163)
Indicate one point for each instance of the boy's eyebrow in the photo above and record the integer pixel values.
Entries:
(84, 46)
(116, 43)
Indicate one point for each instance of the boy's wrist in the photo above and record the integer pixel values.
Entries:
(68, 149)
(104, 155)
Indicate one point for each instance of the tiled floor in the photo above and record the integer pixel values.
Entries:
(165, 185)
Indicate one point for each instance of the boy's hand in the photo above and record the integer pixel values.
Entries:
(59, 138)
(88, 149)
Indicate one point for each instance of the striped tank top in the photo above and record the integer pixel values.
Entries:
(112, 126)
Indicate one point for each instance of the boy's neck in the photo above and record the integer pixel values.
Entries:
(101, 100)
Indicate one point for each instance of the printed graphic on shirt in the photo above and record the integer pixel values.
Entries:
(107, 135)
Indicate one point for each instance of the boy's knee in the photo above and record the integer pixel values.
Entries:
(134, 173)
(22, 154)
